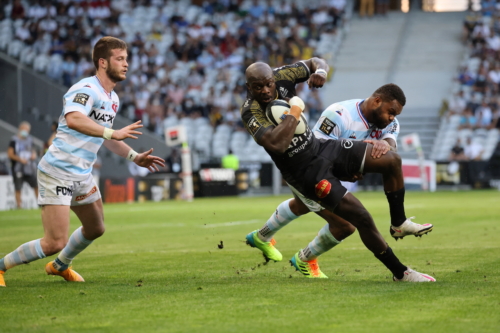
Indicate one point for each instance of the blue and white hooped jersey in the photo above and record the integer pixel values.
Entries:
(72, 154)
(344, 120)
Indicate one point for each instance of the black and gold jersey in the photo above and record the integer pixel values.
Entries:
(303, 146)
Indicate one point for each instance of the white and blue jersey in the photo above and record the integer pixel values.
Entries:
(344, 120)
(72, 154)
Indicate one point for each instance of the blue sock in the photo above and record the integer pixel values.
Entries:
(76, 244)
(322, 243)
(24, 254)
(278, 220)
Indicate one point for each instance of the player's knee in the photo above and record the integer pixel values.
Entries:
(298, 207)
(96, 232)
(54, 246)
(394, 161)
(346, 230)
(364, 219)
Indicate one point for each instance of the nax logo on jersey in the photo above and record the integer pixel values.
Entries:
(107, 118)
(327, 126)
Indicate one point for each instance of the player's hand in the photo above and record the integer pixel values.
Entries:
(127, 132)
(380, 147)
(316, 80)
(146, 160)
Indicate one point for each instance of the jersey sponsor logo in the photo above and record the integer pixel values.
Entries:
(62, 190)
(352, 136)
(323, 188)
(81, 197)
(253, 125)
(81, 98)
(246, 103)
(107, 118)
(347, 144)
(327, 126)
(339, 112)
(299, 143)
(87, 86)
(283, 91)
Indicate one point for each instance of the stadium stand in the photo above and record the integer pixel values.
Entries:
(186, 61)
(473, 111)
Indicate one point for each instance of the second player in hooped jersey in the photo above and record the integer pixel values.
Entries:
(345, 120)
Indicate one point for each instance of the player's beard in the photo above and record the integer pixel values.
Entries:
(114, 74)
(379, 121)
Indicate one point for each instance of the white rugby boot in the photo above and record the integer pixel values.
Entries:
(410, 228)
(414, 276)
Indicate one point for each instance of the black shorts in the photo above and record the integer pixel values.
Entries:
(19, 179)
(336, 159)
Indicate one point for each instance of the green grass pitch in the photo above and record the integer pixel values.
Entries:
(158, 268)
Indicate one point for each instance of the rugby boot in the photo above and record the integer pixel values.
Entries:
(267, 248)
(414, 276)
(309, 269)
(410, 228)
(2, 280)
(68, 274)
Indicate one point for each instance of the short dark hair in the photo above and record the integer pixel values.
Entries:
(390, 92)
(103, 47)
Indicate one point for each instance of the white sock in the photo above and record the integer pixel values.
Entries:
(24, 254)
(322, 243)
(76, 244)
(278, 220)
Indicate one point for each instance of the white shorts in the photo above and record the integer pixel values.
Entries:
(313, 206)
(54, 191)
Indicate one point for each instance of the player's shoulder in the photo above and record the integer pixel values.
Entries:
(250, 105)
(86, 85)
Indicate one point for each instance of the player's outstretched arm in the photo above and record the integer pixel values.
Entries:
(278, 138)
(81, 123)
(145, 159)
(319, 71)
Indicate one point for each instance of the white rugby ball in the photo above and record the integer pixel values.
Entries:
(277, 110)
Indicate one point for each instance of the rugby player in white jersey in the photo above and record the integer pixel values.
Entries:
(64, 174)
(381, 109)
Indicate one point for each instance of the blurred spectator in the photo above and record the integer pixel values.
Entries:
(457, 104)
(468, 120)
(457, 152)
(473, 150)
(17, 11)
(173, 162)
(366, 7)
(22, 155)
(230, 161)
(485, 115)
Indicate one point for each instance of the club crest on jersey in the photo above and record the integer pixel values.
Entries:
(114, 107)
(253, 125)
(327, 126)
(375, 134)
(323, 188)
(81, 98)
(352, 136)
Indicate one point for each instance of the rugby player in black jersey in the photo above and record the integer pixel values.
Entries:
(313, 167)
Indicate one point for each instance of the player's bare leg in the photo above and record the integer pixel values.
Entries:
(92, 219)
(389, 165)
(351, 209)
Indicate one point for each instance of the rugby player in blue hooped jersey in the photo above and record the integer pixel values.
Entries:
(314, 173)
(64, 174)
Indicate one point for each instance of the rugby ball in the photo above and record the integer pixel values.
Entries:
(277, 110)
